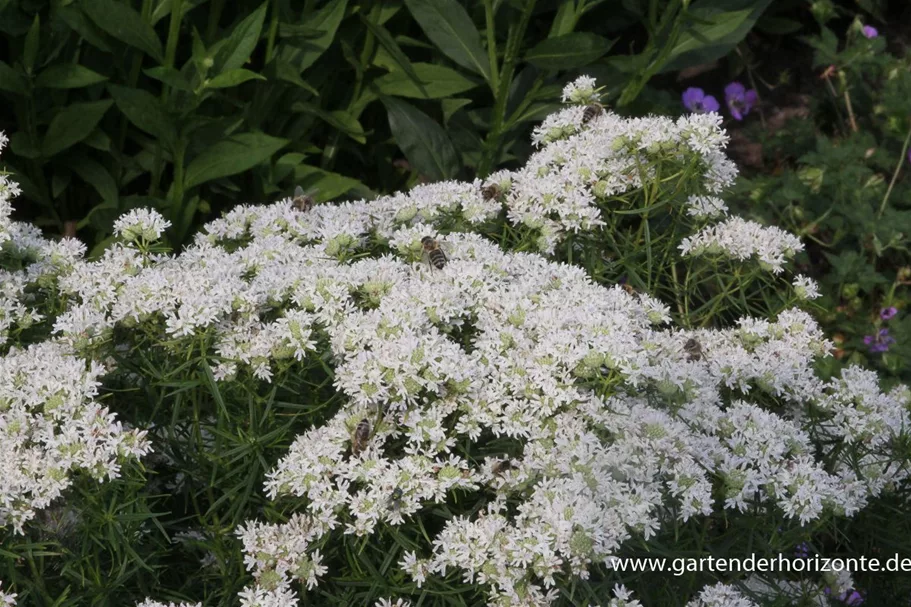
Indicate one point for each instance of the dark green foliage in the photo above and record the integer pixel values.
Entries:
(193, 107)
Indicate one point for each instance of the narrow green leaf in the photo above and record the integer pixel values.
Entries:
(11, 80)
(230, 156)
(94, 174)
(294, 30)
(232, 78)
(423, 141)
(447, 24)
(145, 112)
(237, 48)
(568, 51)
(565, 19)
(169, 76)
(77, 21)
(68, 76)
(438, 82)
(338, 119)
(325, 184)
(32, 42)
(386, 41)
(303, 53)
(72, 124)
(125, 24)
(721, 25)
(280, 69)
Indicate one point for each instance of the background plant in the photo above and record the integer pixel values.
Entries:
(192, 107)
(838, 177)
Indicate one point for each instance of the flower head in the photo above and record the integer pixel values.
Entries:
(869, 31)
(888, 313)
(740, 100)
(695, 100)
(879, 342)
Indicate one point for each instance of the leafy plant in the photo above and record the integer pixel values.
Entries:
(192, 107)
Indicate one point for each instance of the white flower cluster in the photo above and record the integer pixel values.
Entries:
(720, 595)
(8, 189)
(51, 426)
(619, 426)
(741, 239)
(8, 599)
(142, 224)
(150, 603)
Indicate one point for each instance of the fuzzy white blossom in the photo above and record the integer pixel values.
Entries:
(150, 603)
(720, 595)
(805, 287)
(739, 239)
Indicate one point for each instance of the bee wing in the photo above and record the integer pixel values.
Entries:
(298, 191)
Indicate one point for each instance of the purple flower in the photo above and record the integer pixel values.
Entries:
(852, 598)
(802, 550)
(879, 342)
(695, 100)
(869, 31)
(888, 313)
(740, 101)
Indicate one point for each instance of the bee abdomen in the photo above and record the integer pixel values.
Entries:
(591, 112)
(438, 259)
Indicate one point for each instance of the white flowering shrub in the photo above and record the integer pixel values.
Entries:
(444, 395)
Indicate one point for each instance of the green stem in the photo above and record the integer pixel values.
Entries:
(492, 45)
(492, 144)
(273, 31)
(215, 11)
(898, 168)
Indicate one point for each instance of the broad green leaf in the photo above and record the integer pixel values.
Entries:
(72, 124)
(568, 51)
(447, 24)
(237, 48)
(144, 110)
(338, 119)
(423, 141)
(303, 53)
(68, 76)
(125, 24)
(32, 41)
(11, 80)
(326, 185)
(721, 25)
(451, 106)
(232, 78)
(438, 82)
(169, 76)
(94, 174)
(22, 145)
(230, 156)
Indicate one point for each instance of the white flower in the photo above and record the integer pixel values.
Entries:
(805, 287)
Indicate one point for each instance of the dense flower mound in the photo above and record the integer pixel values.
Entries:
(611, 422)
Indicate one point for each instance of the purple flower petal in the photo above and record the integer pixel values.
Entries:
(888, 313)
(870, 31)
(734, 90)
(710, 104)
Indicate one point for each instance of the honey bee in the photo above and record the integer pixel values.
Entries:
(693, 349)
(592, 111)
(491, 192)
(360, 438)
(628, 288)
(501, 467)
(434, 252)
(395, 502)
(301, 201)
